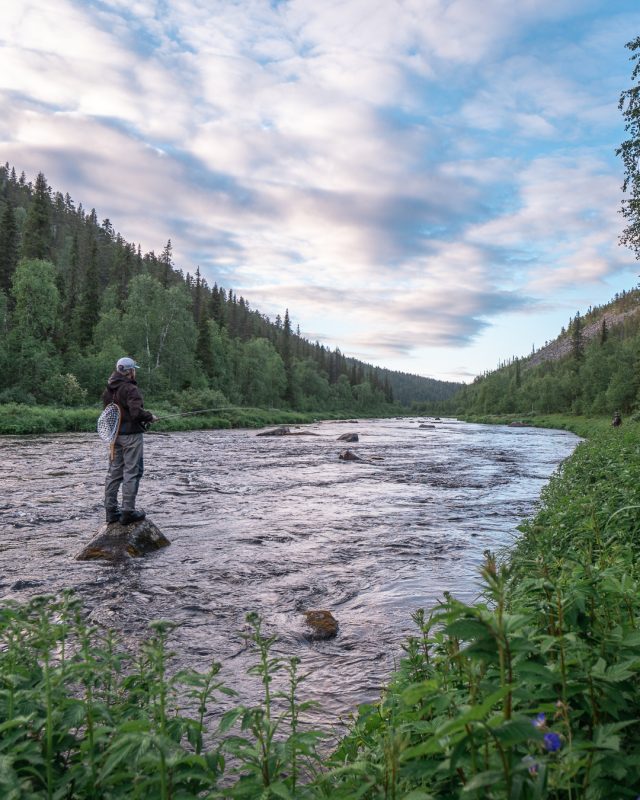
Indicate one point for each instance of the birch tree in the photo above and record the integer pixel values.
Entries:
(159, 331)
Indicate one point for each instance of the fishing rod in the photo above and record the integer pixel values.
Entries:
(108, 425)
(200, 411)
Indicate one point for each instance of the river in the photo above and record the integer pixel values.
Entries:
(279, 526)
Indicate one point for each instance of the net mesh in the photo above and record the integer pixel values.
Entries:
(109, 423)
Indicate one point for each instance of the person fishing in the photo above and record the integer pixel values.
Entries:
(126, 466)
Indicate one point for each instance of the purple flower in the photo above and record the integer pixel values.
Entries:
(531, 764)
(552, 742)
(539, 721)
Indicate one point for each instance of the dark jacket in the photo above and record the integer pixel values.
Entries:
(124, 391)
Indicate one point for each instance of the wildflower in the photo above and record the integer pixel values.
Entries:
(552, 742)
(539, 721)
(532, 765)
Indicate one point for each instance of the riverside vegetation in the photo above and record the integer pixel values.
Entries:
(18, 419)
(532, 692)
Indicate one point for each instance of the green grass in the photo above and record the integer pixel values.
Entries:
(582, 426)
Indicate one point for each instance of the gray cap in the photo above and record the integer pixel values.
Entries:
(125, 364)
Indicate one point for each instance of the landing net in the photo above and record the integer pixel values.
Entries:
(109, 423)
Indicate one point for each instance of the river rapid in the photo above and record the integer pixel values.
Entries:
(279, 526)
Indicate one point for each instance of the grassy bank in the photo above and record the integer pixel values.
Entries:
(532, 692)
(582, 426)
(17, 419)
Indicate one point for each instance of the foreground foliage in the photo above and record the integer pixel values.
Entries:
(533, 692)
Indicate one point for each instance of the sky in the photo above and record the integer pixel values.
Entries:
(429, 185)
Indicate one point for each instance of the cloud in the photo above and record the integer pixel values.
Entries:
(396, 173)
(564, 226)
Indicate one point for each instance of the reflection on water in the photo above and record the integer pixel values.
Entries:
(279, 526)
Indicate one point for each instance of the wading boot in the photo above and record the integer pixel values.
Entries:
(113, 515)
(127, 517)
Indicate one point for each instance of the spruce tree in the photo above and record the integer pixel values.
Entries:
(166, 260)
(8, 247)
(71, 291)
(37, 239)
(197, 297)
(215, 304)
(604, 333)
(577, 339)
(204, 347)
(89, 308)
(287, 358)
(121, 270)
(388, 390)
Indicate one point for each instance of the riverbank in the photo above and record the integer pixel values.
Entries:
(555, 641)
(581, 426)
(17, 419)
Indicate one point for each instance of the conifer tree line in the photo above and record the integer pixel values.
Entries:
(75, 296)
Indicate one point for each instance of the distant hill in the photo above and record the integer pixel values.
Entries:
(408, 388)
(618, 313)
(591, 367)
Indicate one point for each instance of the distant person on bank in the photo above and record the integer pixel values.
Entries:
(617, 420)
(127, 465)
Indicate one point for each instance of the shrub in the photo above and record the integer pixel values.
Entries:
(65, 390)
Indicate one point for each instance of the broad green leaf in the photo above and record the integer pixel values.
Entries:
(489, 778)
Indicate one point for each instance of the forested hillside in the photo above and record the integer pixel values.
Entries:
(75, 296)
(591, 368)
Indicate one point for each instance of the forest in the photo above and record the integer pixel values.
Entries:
(75, 296)
(591, 369)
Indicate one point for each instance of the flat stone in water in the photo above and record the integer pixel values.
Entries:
(283, 430)
(115, 541)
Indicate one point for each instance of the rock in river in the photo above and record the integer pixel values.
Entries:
(115, 541)
(283, 430)
(349, 437)
(322, 624)
(349, 455)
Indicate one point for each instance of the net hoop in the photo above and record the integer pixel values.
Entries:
(109, 423)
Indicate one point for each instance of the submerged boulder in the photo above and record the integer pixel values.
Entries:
(424, 425)
(322, 625)
(349, 455)
(115, 541)
(283, 430)
(349, 437)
